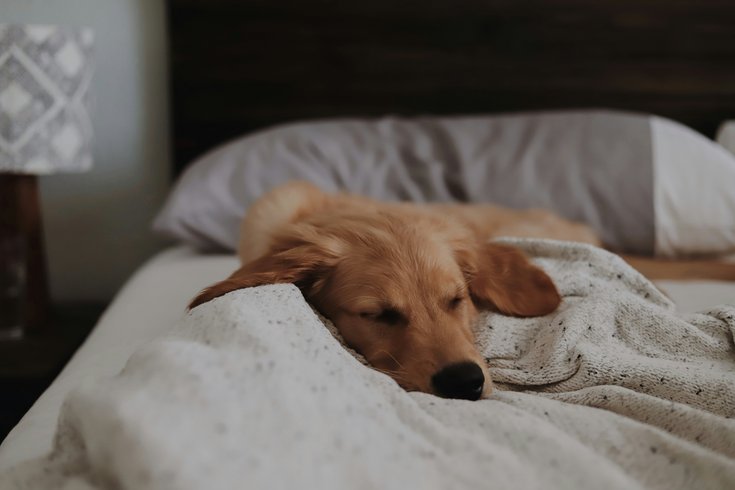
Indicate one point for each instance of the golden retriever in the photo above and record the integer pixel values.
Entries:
(401, 282)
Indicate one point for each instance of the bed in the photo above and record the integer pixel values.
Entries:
(154, 297)
(151, 303)
(285, 61)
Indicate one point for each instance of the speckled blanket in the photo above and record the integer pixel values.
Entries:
(614, 390)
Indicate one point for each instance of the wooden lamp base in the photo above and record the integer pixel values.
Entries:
(20, 218)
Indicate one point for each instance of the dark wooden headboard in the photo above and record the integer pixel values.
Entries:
(239, 65)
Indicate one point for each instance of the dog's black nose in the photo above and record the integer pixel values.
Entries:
(463, 380)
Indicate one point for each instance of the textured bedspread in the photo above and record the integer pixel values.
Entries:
(614, 390)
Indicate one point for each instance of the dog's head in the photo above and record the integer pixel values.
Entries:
(403, 291)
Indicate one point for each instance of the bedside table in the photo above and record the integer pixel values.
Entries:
(29, 365)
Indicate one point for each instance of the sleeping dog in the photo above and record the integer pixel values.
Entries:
(401, 282)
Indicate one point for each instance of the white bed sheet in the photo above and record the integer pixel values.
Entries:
(151, 301)
(154, 299)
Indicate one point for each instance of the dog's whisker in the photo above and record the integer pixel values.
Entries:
(395, 360)
(394, 373)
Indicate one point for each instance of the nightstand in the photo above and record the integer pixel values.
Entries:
(30, 364)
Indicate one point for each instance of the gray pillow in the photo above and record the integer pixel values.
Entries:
(597, 167)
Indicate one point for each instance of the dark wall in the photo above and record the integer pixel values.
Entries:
(241, 65)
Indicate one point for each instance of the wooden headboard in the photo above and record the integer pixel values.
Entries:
(239, 65)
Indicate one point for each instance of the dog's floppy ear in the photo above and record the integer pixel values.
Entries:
(299, 258)
(502, 276)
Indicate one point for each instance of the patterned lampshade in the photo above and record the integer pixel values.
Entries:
(45, 74)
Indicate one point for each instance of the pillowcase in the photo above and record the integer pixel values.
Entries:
(726, 136)
(645, 184)
(694, 192)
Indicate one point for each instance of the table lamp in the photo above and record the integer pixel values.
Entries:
(45, 74)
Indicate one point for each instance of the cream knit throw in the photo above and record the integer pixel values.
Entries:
(614, 390)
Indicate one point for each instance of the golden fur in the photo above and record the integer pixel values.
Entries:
(400, 281)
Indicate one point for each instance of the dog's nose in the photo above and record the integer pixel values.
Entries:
(463, 380)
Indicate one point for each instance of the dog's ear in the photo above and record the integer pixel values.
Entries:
(302, 258)
(502, 276)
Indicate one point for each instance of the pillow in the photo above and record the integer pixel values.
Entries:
(646, 184)
(694, 192)
(726, 135)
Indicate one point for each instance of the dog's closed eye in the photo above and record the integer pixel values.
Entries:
(387, 316)
(456, 302)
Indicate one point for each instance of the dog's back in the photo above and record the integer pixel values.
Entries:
(271, 212)
(295, 201)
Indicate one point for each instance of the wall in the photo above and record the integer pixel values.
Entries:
(97, 223)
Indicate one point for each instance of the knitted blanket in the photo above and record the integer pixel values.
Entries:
(613, 390)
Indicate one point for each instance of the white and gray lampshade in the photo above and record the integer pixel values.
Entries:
(45, 75)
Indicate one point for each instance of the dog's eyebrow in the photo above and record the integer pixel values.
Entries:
(383, 305)
(460, 290)
(371, 303)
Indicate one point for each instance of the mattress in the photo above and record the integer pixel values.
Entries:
(154, 299)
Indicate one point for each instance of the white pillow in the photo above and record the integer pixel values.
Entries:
(647, 185)
(694, 191)
(726, 136)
